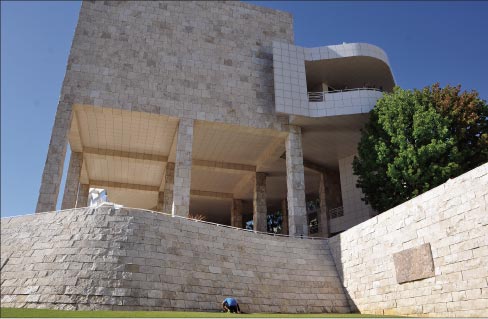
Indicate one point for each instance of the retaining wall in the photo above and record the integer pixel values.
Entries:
(129, 259)
(453, 219)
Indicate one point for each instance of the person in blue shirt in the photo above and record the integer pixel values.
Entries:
(230, 304)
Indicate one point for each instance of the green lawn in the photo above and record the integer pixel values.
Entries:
(47, 313)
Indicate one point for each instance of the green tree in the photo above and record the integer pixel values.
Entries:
(417, 140)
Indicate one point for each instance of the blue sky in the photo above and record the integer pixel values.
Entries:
(426, 42)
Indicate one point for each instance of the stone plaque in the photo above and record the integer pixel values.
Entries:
(414, 264)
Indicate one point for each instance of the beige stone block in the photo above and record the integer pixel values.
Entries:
(474, 293)
(477, 273)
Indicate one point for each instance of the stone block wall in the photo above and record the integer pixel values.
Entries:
(129, 259)
(202, 60)
(453, 219)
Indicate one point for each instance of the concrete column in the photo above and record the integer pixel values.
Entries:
(182, 182)
(284, 210)
(295, 182)
(53, 168)
(236, 213)
(323, 216)
(168, 188)
(82, 198)
(259, 202)
(160, 204)
(330, 197)
(72, 181)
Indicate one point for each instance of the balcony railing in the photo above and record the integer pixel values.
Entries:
(336, 212)
(320, 96)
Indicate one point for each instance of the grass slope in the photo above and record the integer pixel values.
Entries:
(48, 313)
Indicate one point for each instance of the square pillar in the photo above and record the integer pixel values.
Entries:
(330, 197)
(259, 203)
(284, 224)
(323, 216)
(82, 198)
(72, 181)
(182, 175)
(53, 168)
(295, 183)
(167, 200)
(159, 206)
(236, 213)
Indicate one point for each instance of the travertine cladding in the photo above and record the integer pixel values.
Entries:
(197, 60)
(322, 217)
(295, 183)
(72, 180)
(182, 170)
(453, 218)
(82, 197)
(53, 168)
(129, 259)
(355, 209)
(291, 83)
(260, 209)
(160, 204)
(236, 213)
(169, 177)
(330, 197)
(284, 212)
(194, 59)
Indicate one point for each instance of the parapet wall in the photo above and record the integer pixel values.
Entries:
(453, 219)
(129, 259)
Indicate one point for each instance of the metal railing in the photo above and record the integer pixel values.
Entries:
(320, 96)
(313, 226)
(336, 212)
(115, 207)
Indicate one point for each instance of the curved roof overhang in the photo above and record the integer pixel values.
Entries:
(357, 64)
(353, 72)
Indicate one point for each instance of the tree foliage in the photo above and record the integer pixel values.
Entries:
(417, 140)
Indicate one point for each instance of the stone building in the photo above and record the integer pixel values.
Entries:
(209, 108)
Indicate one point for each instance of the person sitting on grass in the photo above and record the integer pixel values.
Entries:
(230, 304)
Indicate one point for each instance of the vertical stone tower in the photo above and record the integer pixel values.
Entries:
(143, 78)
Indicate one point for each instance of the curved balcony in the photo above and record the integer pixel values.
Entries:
(342, 102)
(322, 96)
(307, 79)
